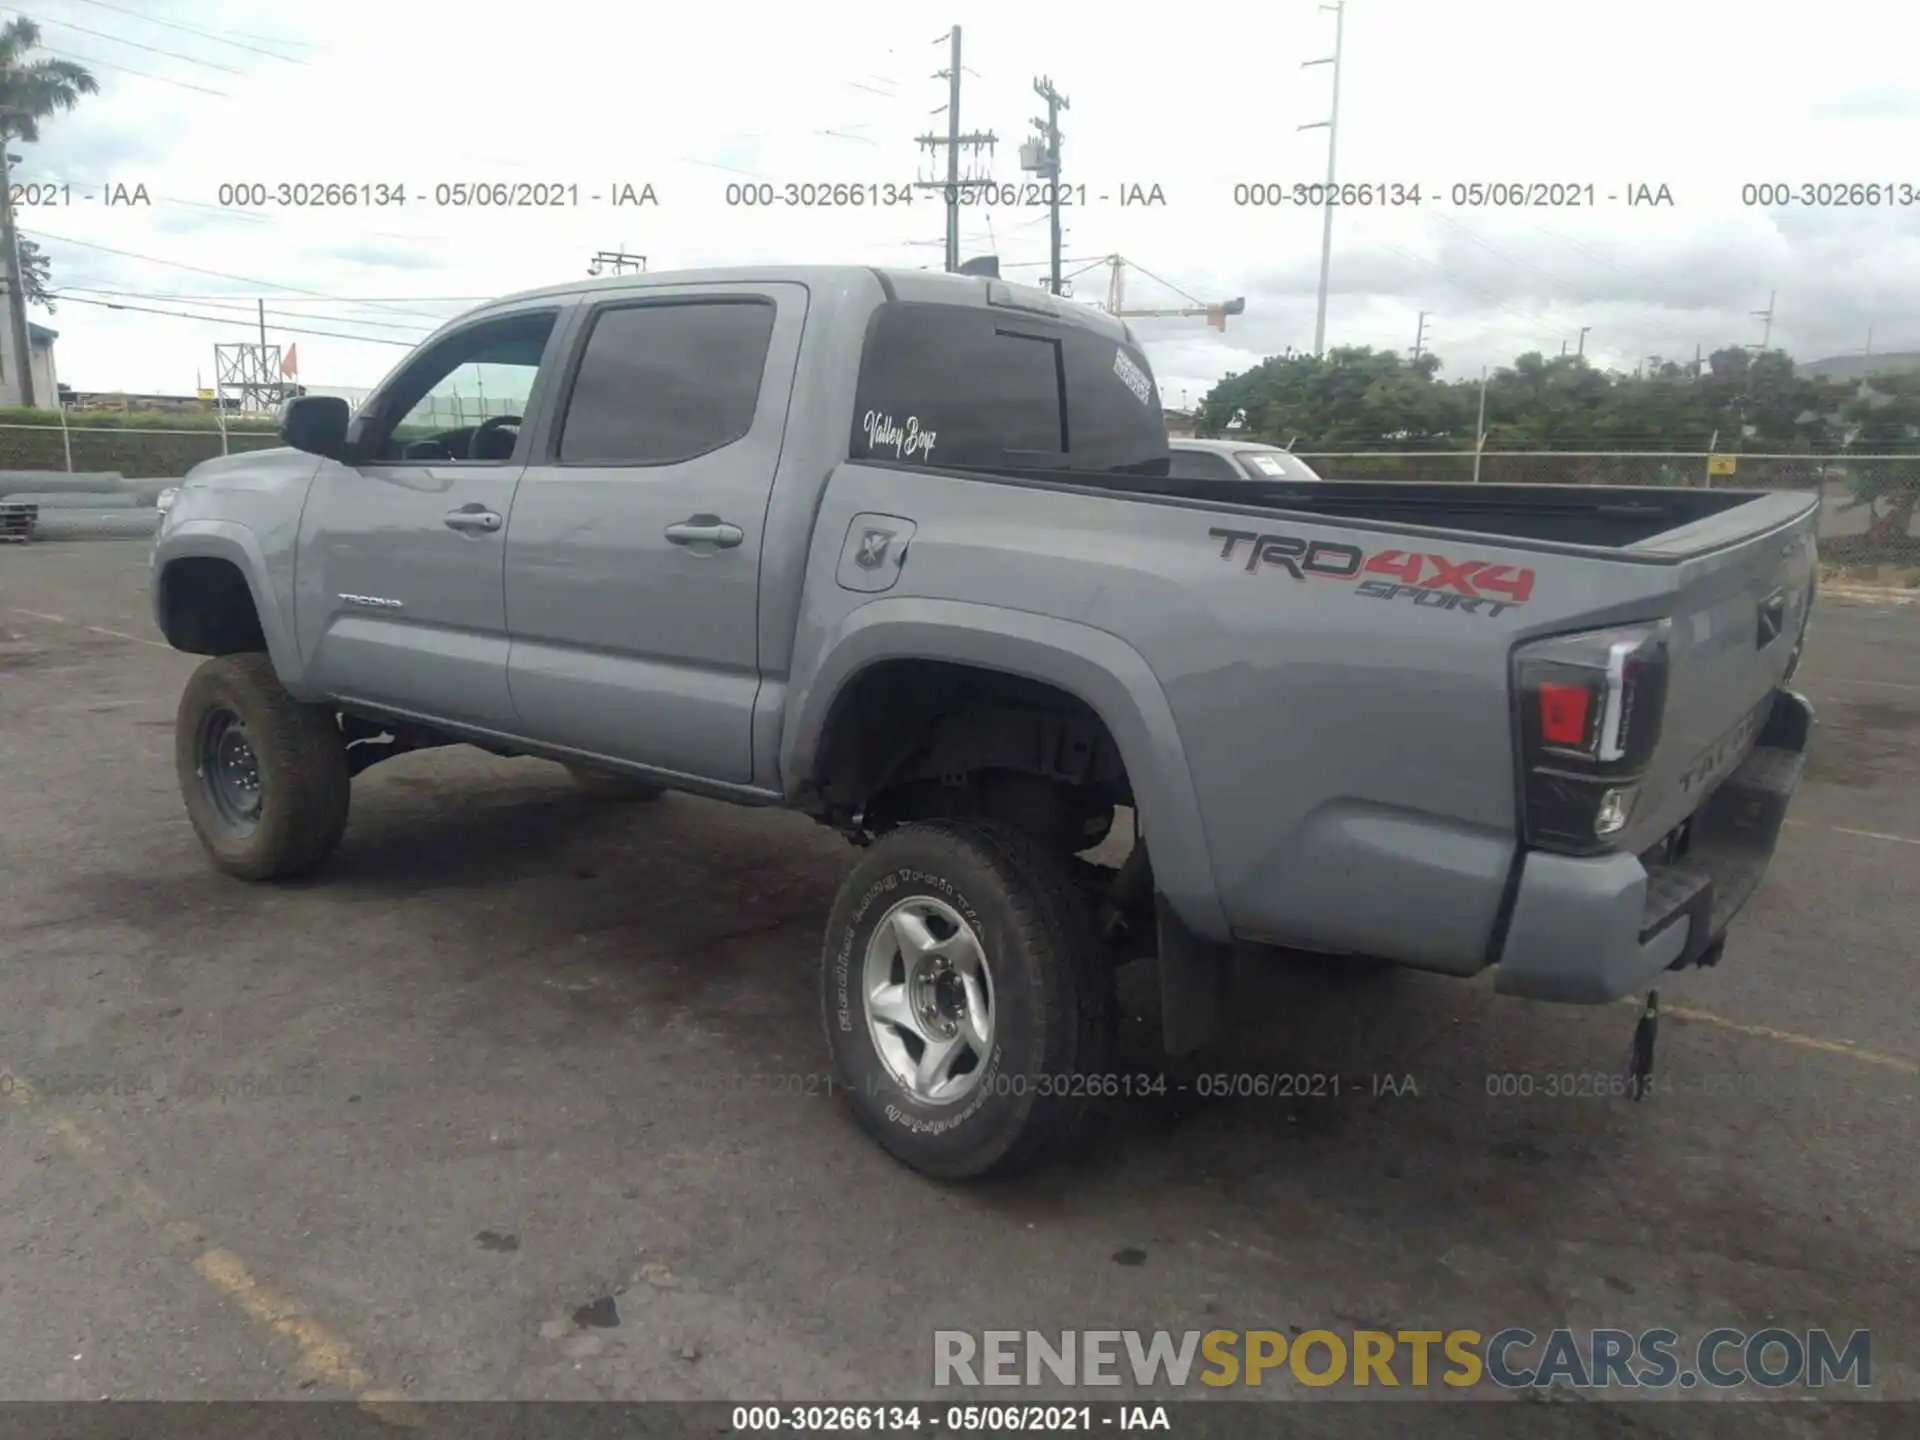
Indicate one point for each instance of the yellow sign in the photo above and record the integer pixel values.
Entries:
(206, 394)
(1721, 464)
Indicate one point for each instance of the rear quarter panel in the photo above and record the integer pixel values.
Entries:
(1346, 749)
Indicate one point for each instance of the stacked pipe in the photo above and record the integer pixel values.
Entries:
(57, 505)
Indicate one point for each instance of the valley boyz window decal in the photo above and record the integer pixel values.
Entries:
(904, 440)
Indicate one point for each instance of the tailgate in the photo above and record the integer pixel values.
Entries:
(1738, 614)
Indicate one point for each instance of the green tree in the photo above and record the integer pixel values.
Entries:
(1886, 419)
(1354, 398)
(36, 276)
(31, 90)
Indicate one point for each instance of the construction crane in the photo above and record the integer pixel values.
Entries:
(1216, 315)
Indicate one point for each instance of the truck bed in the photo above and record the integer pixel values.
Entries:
(1616, 518)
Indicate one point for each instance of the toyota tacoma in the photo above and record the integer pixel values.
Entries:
(903, 551)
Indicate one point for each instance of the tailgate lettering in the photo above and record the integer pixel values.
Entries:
(1723, 751)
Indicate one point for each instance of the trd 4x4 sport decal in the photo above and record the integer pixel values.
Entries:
(1435, 582)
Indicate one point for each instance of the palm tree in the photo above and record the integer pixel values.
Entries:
(30, 91)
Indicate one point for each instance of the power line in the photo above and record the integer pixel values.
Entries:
(242, 320)
(203, 34)
(216, 274)
(135, 44)
(129, 70)
(1487, 295)
(252, 307)
(292, 299)
(1168, 283)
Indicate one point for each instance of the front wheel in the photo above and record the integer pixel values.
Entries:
(265, 777)
(966, 1001)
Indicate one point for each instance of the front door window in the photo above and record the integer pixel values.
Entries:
(463, 399)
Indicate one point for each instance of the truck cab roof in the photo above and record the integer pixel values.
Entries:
(914, 286)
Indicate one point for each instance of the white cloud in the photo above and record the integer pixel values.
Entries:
(1702, 98)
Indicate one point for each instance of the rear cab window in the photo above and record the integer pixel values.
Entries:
(981, 387)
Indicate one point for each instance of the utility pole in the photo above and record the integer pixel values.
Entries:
(1332, 126)
(953, 150)
(954, 140)
(1766, 334)
(617, 261)
(1050, 133)
(1420, 335)
(1581, 349)
(263, 322)
(1480, 427)
(19, 378)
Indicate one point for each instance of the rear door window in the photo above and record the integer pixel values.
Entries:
(662, 383)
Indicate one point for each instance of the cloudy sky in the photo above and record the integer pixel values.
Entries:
(1699, 96)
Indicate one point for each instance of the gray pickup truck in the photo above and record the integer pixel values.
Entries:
(901, 551)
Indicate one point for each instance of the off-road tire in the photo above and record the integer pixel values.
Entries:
(302, 761)
(612, 785)
(1054, 998)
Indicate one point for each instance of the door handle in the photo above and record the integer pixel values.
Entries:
(706, 530)
(485, 521)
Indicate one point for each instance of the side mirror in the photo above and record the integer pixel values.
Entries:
(316, 424)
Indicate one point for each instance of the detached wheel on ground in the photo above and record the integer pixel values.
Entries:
(264, 776)
(967, 1003)
(611, 785)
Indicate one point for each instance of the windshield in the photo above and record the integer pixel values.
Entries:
(1274, 465)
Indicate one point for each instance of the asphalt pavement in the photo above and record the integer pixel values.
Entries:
(518, 1061)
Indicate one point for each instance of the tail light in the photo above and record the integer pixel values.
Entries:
(1588, 718)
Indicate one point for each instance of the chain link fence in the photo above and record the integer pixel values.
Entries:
(1868, 502)
(454, 411)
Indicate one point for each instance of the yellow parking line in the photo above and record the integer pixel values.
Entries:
(1862, 834)
(122, 635)
(1814, 682)
(323, 1354)
(1786, 1037)
(1873, 835)
(326, 1356)
(96, 629)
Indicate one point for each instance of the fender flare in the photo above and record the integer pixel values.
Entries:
(1100, 669)
(235, 543)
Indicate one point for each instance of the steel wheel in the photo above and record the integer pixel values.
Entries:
(229, 771)
(929, 1000)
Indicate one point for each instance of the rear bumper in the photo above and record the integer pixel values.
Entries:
(1586, 930)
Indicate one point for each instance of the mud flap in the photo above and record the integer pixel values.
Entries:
(1196, 976)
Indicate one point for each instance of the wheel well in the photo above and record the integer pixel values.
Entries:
(207, 609)
(915, 739)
